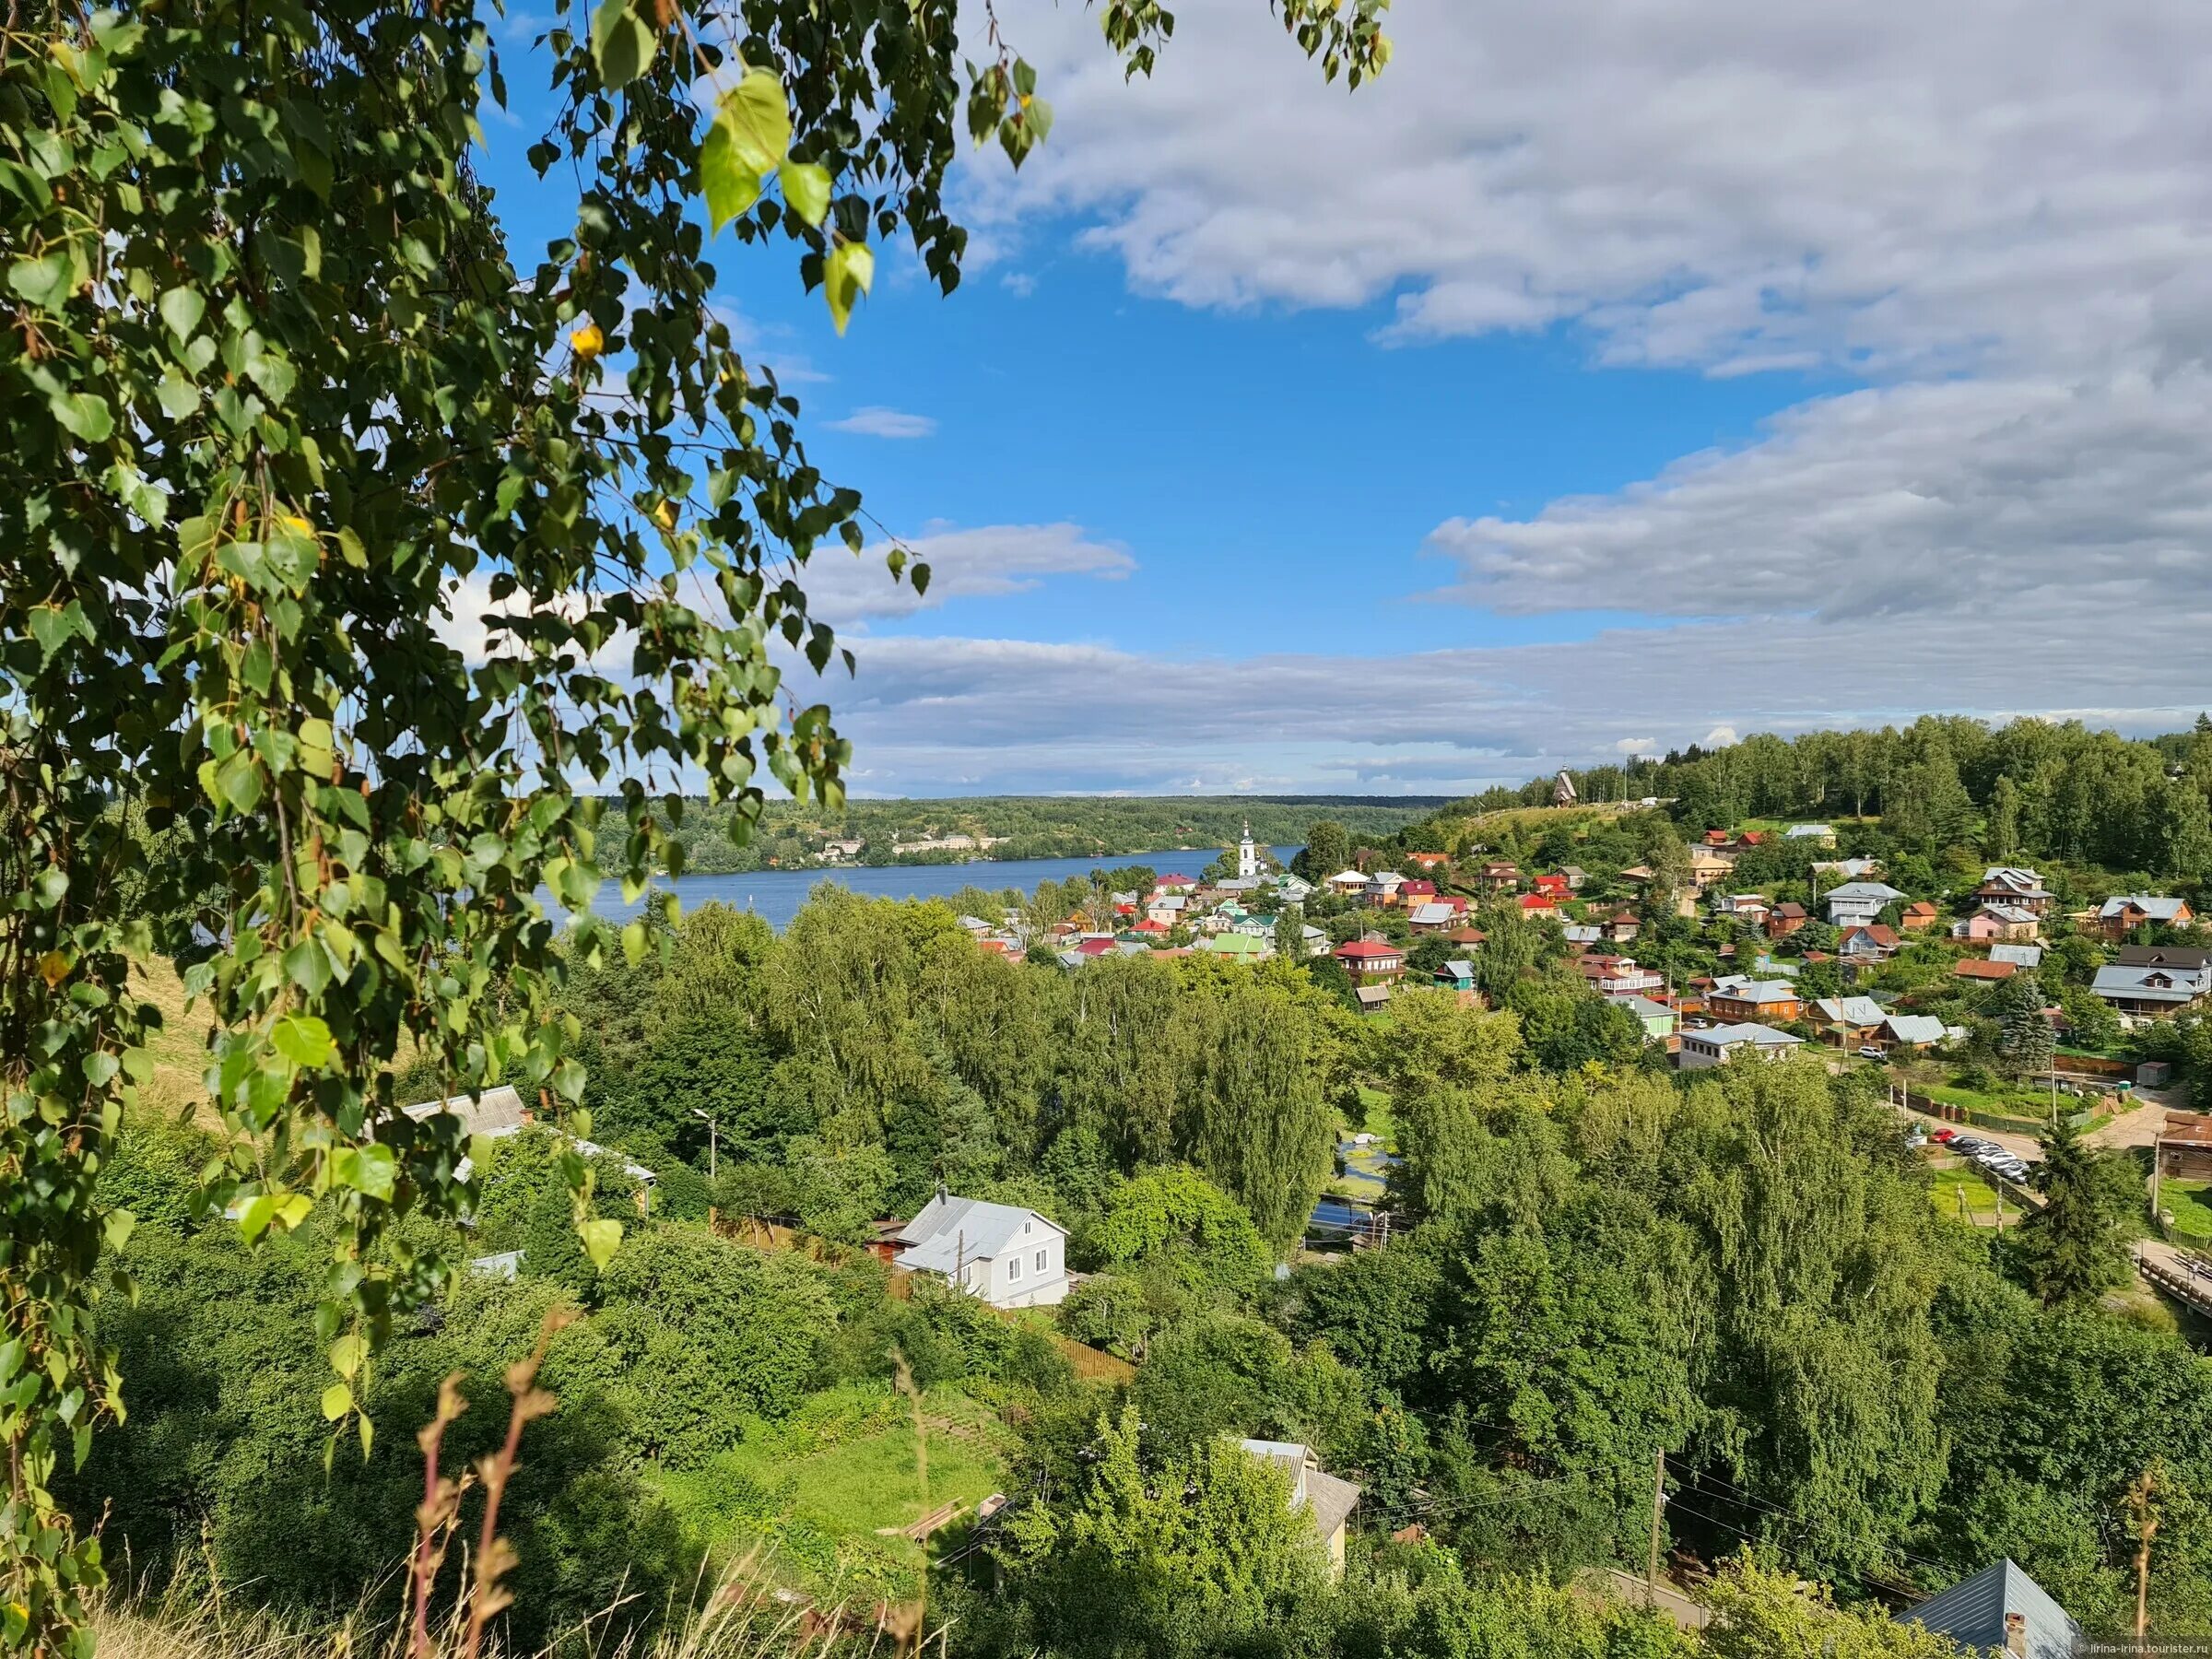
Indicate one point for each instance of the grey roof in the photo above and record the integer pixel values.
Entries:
(2019, 956)
(1330, 1501)
(968, 1228)
(495, 1111)
(1431, 913)
(2157, 910)
(1755, 990)
(1972, 1613)
(1915, 1028)
(2008, 913)
(1373, 996)
(1763, 1036)
(1582, 932)
(2017, 877)
(1850, 1010)
(1802, 832)
(1459, 968)
(1862, 891)
(1643, 1007)
(2189, 957)
(2152, 985)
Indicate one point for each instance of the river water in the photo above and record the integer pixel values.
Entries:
(776, 895)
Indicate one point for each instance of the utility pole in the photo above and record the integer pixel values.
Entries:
(1658, 1516)
(2146, 1525)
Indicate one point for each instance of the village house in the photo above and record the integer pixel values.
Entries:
(1007, 1255)
(1325, 1502)
(2009, 884)
(2000, 1611)
(1575, 876)
(1657, 1018)
(1581, 934)
(1370, 960)
(1750, 909)
(1382, 888)
(1848, 1021)
(2121, 916)
(1913, 1030)
(1167, 909)
(1785, 919)
(2148, 992)
(1718, 1045)
(1293, 889)
(1498, 875)
(1538, 904)
(1622, 927)
(1458, 974)
(2027, 957)
(2184, 1147)
(1348, 884)
(1998, 921)
(1711, 866)
(1856, 903)
(1556, 888)
(1920, 915)
(1618, 976)
(1372, 999)
(1819, 834)
(1429, 860)
(1987, 972)
(1736, 998)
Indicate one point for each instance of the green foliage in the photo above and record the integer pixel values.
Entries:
(283, 399)
(1199, 1554)
(2074, 1248)
(1175, 1219)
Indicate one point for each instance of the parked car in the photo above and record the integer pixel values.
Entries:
(1868, 1052)
(1942, 1137)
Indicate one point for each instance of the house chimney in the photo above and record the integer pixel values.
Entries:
(2015, 1634)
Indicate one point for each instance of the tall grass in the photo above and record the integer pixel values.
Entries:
(742, 1615)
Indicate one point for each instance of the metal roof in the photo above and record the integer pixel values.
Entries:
(1973, 1614)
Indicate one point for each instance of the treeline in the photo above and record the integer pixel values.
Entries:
(1741, 1281)
(790, 834)
(2029, 789)
(841, 1070)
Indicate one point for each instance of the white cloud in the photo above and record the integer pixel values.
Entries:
(875, 421)
(987, 563)
(1721, 736)
(1632, 746)
(1700, 181)
(1980, 499)
(1016, 715)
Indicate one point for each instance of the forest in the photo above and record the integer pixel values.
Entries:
(2029, 789)
(1737, 1279)
(790, 834)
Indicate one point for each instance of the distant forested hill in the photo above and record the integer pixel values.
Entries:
(1030, 826)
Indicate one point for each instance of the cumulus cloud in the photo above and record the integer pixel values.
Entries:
(875, 421)
(1982, 498)
(1712, 183)
(1021, 714)
(990, 561)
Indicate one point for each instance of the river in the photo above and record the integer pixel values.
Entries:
(777, 894)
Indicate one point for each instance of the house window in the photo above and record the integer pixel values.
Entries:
(1042, 1256)
(1013, 1266)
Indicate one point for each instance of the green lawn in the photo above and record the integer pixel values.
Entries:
(1945, 1185)
(1375, 1111)
(816, 1488)
(2190, 1203)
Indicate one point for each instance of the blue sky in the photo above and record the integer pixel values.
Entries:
(1603, 379)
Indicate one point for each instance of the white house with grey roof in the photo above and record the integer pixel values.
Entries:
(1856, 903)
(1010, 1256)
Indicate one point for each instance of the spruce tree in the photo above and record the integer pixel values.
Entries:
(2072, 1250)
